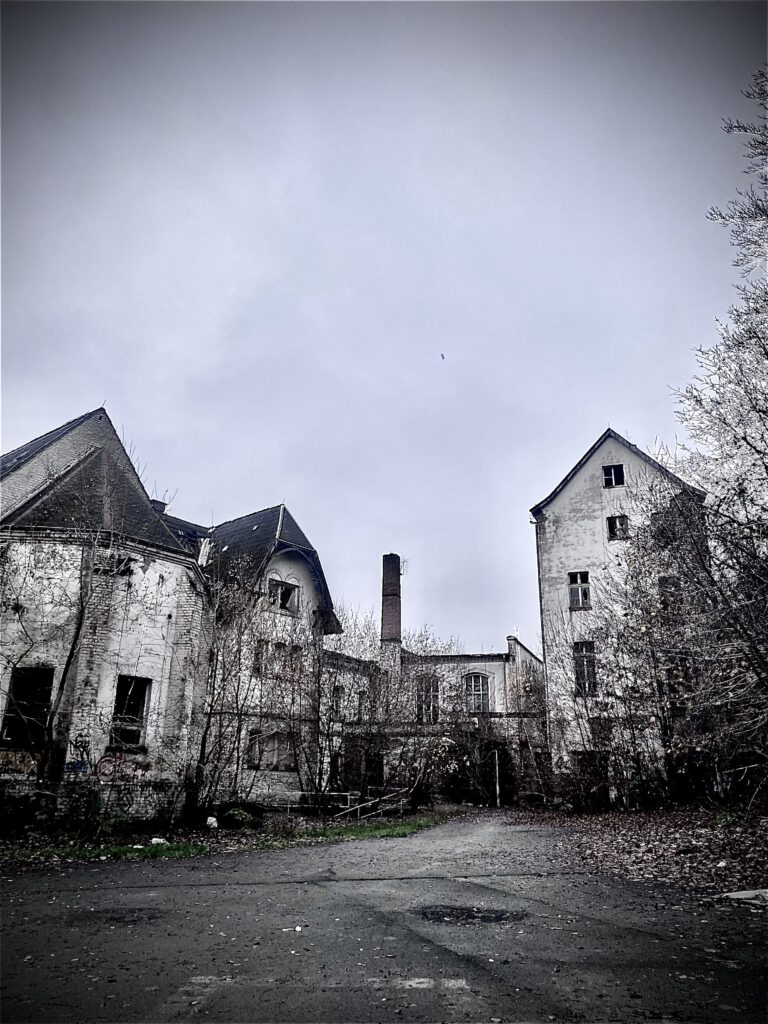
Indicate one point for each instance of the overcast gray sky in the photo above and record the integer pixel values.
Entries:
(254, 230)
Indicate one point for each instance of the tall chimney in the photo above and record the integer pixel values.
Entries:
(390, 598)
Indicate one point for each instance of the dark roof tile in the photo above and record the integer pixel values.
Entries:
(12, 460)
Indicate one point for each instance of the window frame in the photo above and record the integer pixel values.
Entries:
(477, 691)
(618, 527)
(579, 591)
(284, 596)
(338, 693)
(585, 668)
(270, 751)
(427, 700)
(123, 722)
(610, 475)
(35, 721)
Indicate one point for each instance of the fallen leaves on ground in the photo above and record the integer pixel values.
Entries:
(709, 849)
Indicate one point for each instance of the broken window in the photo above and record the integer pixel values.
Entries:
(585, 668)
(284, 596)
(578, 590)
(427, 700)
(613, 476)
(128, 720)
(476, 688)
(26, 713)
(618, 527)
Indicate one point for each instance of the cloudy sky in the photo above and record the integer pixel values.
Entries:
(396, 265)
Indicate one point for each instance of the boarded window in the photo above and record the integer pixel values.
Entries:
(26, 713)
(128, 720)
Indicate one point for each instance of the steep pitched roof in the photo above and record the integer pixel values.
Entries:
(94, 495)
(13, 460)
(611, 434)
(95, 488)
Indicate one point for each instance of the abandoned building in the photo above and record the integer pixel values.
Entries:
(582, 531)
(109, 609)
(161, 661)
(487, 709)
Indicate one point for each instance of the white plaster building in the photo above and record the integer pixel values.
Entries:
(109, 611)
(582, 528)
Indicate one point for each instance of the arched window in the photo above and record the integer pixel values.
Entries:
(427, 699)
(476, 688)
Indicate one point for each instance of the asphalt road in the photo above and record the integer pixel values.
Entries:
(472, 921)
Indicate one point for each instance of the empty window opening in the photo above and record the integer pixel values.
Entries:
(476, 688)
(427, 700)
(26, 713)
(585, 668)
(578, 590)
(128, 720)
(613, 476)
(284, 596)
(618, 527)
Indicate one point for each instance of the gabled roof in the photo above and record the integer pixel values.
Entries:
(12, 460)
(93, 488)
(94, 495)
(611, 434)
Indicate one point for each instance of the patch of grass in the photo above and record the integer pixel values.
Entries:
(374, 829)
(166, 851)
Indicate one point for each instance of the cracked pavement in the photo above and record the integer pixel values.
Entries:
(473, 920)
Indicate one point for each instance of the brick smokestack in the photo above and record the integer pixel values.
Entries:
(390, 598)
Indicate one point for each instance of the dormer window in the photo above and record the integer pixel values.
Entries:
(613, 476)
(284, 596)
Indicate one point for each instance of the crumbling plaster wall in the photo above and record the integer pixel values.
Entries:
(148, 623)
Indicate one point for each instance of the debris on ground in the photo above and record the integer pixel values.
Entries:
(707, 848)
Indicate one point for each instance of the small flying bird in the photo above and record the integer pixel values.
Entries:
(442, 356)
